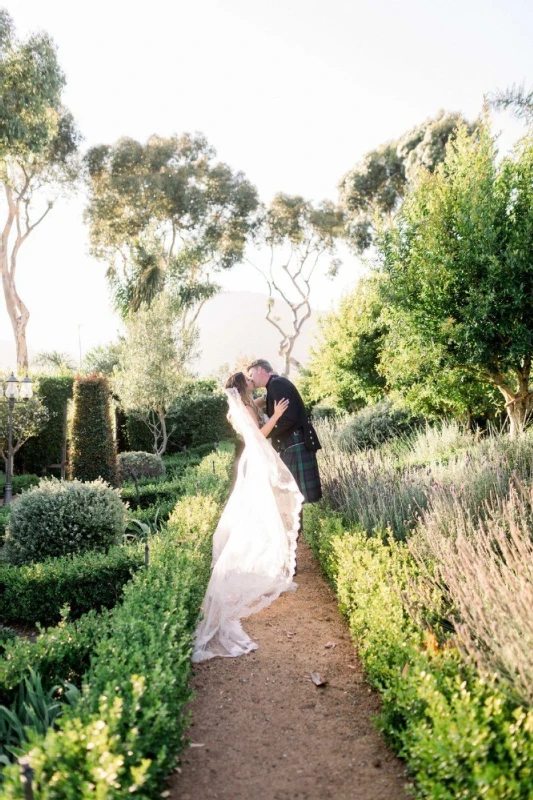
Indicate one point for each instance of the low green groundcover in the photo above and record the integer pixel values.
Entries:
(460, 735)
(122, 736)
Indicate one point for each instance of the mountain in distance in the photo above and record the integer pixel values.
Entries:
(233, 324)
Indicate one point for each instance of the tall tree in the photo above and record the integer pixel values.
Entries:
(166, 216)
(299, 238)
(154, 365)
(459, 264)
(343, 367)
(38, 154)
(376, 186)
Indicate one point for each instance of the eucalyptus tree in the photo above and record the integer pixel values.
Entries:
(166, 216)
(299, 239)
(459, 265)
(374, 189)
(38, 155)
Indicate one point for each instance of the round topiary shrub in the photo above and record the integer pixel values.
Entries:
(60, 517)
(136, 465)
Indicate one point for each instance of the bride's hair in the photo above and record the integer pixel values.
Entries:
(238, 381)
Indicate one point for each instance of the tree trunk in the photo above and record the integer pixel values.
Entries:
(161, 450)
(519, 411)
(17, 310)
(519, 403)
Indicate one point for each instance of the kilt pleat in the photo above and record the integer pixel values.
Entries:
(304, 467)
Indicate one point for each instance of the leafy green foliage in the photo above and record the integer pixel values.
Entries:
(45, 449)
(374, 425)
(137, 464)
(172, 211)
(130, 718)
(58, 653)
(458, 261)
(35, 709)
(38, 153)
(58, 517)
(29, 419)
(376, 186)
(37, 592)
(343, 368)
(196, 417)
(153, 367)
(460, 736)
(92, 447)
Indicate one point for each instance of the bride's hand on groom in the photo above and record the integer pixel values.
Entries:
(280, 408)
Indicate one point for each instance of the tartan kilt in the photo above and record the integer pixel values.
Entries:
(303, 465)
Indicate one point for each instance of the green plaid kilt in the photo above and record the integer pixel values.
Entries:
(303, 465)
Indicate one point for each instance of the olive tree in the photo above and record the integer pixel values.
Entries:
(154, 359)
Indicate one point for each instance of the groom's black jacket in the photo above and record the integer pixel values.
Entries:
(295, 417)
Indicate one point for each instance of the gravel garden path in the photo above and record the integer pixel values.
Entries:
(263, 729)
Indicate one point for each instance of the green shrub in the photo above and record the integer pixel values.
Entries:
(150, 492)
(199, 419)
(5, 512)
(41, 451)
(37, 592)
(461, 737)
(374, 425)
(19, 483)
(137, 464)
(58, 517)
(61, 653)
(123, 735)
(92, 448)
(196, 418)
(158, 512)
(6, 635)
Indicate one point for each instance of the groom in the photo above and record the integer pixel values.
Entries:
(293, 435)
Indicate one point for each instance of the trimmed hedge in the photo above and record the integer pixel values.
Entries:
(461, 736)
(58, 654)
(37, 592)
(61, 517)
(41, 451)
(196, 419)
(123, 735)
(92, 447)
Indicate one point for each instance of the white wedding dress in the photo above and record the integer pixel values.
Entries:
(254, 545)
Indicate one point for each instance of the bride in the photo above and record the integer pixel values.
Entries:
(254, 545)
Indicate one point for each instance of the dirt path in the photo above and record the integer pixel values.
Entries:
(263, 730)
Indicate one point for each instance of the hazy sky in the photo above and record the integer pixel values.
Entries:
(292, 93)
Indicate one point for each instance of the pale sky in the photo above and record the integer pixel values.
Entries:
(291, 93)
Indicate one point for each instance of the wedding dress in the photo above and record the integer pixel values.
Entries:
(254, 545)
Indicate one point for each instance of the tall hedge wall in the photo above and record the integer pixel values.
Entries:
(40, 452)
(92, 446)
(197, 419)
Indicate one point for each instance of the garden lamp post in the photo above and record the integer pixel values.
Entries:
(13, 393)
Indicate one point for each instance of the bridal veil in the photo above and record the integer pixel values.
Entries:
(254, 545)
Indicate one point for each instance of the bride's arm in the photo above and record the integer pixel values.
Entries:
(279, 409)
